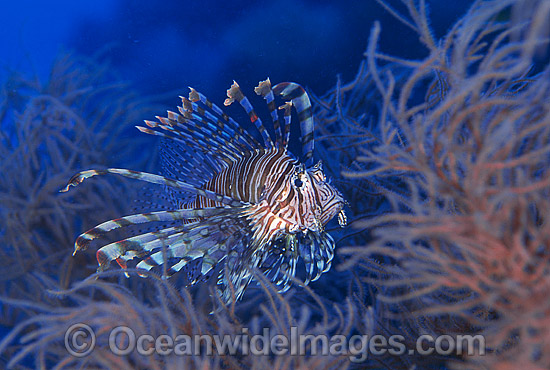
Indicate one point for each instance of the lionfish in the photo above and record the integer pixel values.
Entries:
(254, 206)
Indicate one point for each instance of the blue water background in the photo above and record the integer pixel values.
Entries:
(169, 45)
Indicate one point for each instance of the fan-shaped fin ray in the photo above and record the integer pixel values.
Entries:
(195, 96)
(84, 239)
(287, 116)
(207, 238)
(181, 163)
(206, 120)
(297, 94)
(235, 93)
(155, 179)
(264, 90)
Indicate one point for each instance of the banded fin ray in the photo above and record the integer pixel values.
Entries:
(155, 179)
(205, 119)
(283, 268)
(147, 130)
(180, 162)
(207, 239)
(84, 240)
(264, 90)
(300, 100)
(230, 123)
(317, 250)
(183, 135)
(235, 94)
(194, 127)
(287, 116)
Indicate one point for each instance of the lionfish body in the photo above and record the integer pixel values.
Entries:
(252, 205)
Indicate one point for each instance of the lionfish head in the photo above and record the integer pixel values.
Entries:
(316, 199)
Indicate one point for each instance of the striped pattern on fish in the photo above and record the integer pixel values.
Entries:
(254, 205)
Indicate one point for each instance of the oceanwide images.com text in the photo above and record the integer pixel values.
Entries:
(80, 341)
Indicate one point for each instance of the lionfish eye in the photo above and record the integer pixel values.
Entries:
(298, 183)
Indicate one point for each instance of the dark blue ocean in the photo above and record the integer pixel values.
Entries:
(167, 46)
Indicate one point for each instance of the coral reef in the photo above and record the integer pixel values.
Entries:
(48, 130)
(458, 150)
